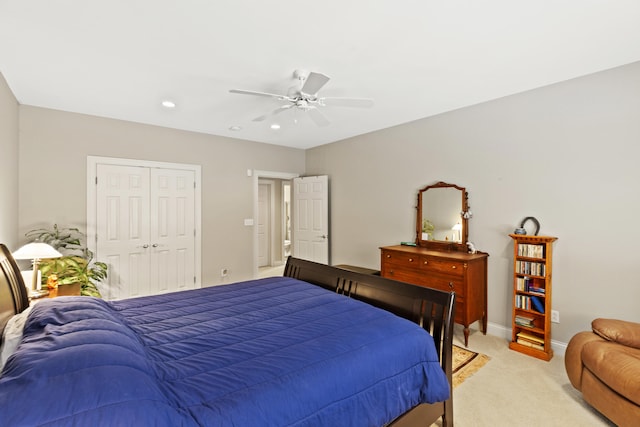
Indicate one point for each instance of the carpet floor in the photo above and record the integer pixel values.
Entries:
(513, 389)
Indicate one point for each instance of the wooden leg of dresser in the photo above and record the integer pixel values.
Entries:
(484, 323)
(466, 335)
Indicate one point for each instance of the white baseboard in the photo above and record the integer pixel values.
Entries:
(500, 331)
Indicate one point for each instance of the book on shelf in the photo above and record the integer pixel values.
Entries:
(530, 344)
(531, 251)
(528, 267)
(530, 337)
(537, 304)
(524, 321)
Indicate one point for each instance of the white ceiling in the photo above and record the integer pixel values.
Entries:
(415, 58)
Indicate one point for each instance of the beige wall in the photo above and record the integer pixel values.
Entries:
(8, 166)
(566, 154)
(54, 146)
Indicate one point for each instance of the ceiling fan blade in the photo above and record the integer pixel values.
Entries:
(347, 102)
(318, 117)
(252, 92)
(273, 113)
(314, 83)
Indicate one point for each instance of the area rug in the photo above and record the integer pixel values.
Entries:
(466, 363)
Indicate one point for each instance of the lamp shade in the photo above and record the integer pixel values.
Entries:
(36, 250)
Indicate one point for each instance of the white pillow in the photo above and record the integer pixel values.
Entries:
(12, 335)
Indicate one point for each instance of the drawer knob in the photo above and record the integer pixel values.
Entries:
(454, 266)
(450, 285)
(410, 259)
(388, 256)
(425, 262)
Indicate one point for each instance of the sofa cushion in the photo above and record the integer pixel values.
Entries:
(620, 331)
(615, 365)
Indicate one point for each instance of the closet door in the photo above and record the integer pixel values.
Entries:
(145, 229)
(123, 231)
(172, 223)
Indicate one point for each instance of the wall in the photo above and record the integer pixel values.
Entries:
(8, 166)
(566, 154)
(54, 146)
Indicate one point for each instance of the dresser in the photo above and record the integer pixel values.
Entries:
(462, 272)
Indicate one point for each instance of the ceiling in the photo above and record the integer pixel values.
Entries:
(414, 58)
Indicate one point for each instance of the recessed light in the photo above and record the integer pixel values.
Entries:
(168, 104)
(275, 126)
(235, 128)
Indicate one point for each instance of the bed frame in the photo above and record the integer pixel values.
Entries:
(430, 308)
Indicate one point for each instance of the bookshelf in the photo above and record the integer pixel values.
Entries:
(531, 318)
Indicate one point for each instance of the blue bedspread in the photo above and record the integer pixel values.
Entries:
(269, 352)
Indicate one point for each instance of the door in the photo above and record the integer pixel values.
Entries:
(172, 225)
(310, 200)
(264, 224)
(145, 229)
(122, 229)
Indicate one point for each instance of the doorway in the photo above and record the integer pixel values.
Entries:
(272, 227)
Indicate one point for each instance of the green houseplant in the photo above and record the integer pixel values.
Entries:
(76, 265)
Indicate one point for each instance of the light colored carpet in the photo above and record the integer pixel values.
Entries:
(514, 389)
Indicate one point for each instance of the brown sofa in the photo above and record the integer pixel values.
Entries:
(604, 364)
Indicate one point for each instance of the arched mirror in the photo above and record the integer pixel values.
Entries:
(442, 217)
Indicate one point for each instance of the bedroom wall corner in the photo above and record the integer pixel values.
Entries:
(9, 146)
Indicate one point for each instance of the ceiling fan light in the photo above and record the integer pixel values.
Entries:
(168, 104)
(275, 126)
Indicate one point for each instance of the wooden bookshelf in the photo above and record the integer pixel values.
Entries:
(531, 314)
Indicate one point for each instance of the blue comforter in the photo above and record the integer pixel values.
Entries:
(269, 352)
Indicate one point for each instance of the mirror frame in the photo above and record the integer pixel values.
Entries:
(443, 244)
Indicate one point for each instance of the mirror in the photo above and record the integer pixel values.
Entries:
(442, 217)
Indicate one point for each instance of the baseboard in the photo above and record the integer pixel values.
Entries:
(500, 331)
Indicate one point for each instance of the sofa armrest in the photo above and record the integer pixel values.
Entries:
(620, 331)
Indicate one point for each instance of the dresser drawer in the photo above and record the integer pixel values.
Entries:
(422, 263)
(449, 268)
(403, 261)
(447, 285)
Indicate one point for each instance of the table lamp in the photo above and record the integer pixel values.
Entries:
(36, 251)
(457, 232)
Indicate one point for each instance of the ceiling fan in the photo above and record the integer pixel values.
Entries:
(305, 97)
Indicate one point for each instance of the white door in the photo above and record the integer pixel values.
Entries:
(311, 218)
(145, 229)
(264, 224)
(123, 229)
(172, 226)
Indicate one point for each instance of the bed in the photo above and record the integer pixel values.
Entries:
(318, 346)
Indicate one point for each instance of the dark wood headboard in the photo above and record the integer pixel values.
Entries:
(13, 294)
(430, 308)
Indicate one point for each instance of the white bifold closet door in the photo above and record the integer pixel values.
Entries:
(145, 226)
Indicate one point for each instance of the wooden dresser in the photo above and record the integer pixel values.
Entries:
(464, 273)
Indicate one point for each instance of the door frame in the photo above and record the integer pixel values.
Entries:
(271, 215)
(92, 176)
(256, 175)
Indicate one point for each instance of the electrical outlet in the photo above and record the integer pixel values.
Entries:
(224, 272)
(555, 316)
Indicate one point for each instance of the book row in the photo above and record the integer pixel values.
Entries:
(524, 321)
(529, 302)
(530, 344)
(531, 251)
(526, 284)
(528, 267)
